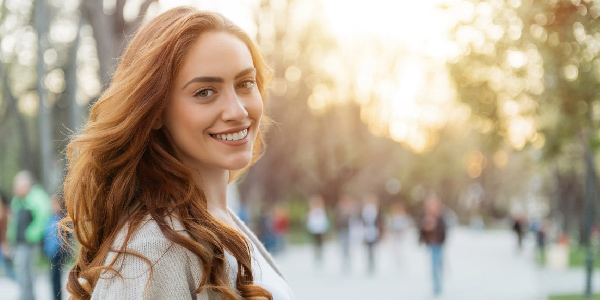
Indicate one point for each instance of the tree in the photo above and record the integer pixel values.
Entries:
(549, 51)
(111, 30)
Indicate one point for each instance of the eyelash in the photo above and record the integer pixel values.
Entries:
(252, 83)
(197, 94)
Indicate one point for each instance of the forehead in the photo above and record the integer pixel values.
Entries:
(215, 54)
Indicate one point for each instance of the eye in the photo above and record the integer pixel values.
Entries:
(203, 93)
(247, 84)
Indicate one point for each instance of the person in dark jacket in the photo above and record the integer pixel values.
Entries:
(433, 233)
(519, 229)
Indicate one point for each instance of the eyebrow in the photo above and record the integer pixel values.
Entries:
(219, 79)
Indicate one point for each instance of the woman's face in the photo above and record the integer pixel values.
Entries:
(215, 107)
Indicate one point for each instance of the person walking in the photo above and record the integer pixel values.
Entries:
(432, 232)
(345, 215)
(30, 211)
(317, 225)
(518, 227)
(373, 228)
(399, 224)
(280, 224)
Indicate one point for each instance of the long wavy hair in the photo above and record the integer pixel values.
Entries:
(121, 170)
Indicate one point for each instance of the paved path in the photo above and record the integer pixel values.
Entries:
(479, 265)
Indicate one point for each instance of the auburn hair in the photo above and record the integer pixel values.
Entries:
(120, 170)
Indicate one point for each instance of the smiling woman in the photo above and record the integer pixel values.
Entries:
(215, 106)
(147, 181)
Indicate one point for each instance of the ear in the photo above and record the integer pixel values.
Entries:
(158, 124)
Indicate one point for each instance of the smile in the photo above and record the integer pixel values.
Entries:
(236, 136)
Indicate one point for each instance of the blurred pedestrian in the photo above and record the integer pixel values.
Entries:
(317, 224)
(519, 229)
(280, 226)
(264, 229)
(5, 254)
(433, 233)
(30, 212)
(344, 217)
(541, 228)
(55, 248)
(372, 228)
(399, 224)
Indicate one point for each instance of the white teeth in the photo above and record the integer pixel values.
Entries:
(232, 136)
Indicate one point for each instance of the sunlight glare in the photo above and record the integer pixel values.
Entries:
(398, 50)
(239, 11)
(410, 23)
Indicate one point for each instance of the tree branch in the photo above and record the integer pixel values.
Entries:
(119, 17)
(104, 34)
(132, 26)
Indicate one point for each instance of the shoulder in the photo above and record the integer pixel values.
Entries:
(149, 241)
(149, 266)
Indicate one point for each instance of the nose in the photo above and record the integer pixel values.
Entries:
(235, 108)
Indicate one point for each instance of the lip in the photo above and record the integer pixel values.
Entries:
(232, 130)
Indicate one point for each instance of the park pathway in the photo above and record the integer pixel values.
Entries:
(479, 265)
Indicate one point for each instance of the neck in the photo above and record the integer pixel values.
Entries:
(214, 185)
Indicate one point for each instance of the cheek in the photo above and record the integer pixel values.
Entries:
(176, 121)
(255, 107)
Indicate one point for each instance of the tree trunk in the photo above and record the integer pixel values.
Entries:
(44, 121)
(591, 196)
(110, 32)
(25, 162)
(75, 110)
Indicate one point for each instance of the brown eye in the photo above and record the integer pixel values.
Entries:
(203, 93)
(248, 84)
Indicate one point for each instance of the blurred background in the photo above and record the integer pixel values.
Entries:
(491, 108)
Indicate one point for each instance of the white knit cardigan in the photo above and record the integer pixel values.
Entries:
(176, 272)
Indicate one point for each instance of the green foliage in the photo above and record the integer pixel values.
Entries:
(535, 62)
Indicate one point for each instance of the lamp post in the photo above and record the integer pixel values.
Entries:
(590, 207)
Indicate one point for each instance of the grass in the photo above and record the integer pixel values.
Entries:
(577, 258)
(573, 297)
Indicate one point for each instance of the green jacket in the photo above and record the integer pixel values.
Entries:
(39, 203)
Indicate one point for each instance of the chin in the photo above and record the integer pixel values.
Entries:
(239, 163)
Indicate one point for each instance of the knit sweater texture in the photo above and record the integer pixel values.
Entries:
(173, 272)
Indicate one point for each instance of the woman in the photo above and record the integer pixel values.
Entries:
(146, 188)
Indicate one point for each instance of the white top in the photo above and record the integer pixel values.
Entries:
(176, 271)
(317, 221)
(263, 272)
